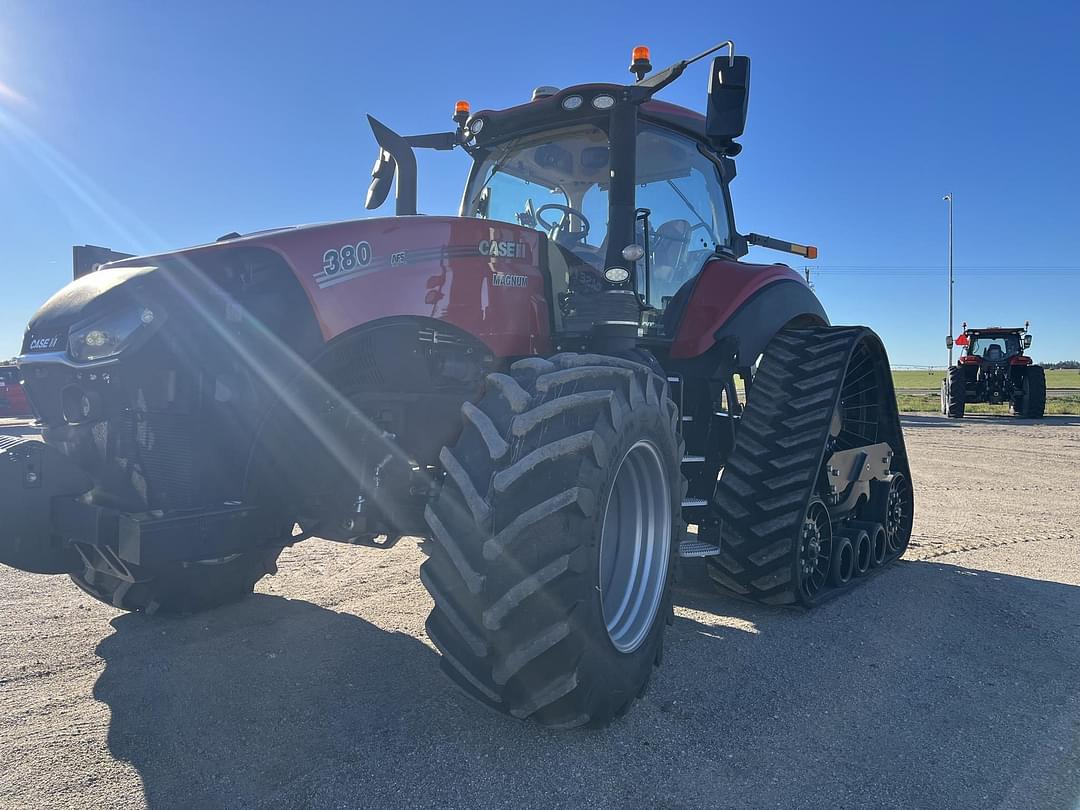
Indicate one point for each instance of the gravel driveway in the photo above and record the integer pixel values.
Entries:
(951, 680)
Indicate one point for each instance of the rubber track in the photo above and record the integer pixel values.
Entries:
(771, 474)
(515, 533)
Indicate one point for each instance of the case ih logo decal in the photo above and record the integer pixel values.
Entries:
(44, 343)
(344, 263)
(501, 250)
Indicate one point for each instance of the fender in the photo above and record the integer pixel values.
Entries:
(747, 302)
(378, 403)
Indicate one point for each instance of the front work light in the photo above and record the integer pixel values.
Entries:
(111, 334)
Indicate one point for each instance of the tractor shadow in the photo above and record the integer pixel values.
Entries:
(246, 704)
(930, 685)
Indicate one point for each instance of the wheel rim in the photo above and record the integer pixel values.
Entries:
(635, 545)
(898, 513)
(815, 549)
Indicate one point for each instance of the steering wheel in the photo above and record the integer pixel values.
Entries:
(552, 228)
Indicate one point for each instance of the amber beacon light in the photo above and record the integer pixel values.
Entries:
(639, 62)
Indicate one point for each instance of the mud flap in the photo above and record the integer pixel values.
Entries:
(32, 474)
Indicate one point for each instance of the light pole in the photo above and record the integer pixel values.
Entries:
(949, 341)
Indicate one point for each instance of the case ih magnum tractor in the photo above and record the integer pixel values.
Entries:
(545, 386)
(993, 368)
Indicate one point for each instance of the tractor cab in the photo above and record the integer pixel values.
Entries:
(630, 192)
(559, 183)
(994, 345)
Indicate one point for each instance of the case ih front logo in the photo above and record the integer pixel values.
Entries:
(501, 250)
(44, 343)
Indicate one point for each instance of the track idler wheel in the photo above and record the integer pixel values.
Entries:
(892, 502)
(815, 550)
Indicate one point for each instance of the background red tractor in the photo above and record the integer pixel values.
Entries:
(549, 385)
(993, 368)
(13, 401)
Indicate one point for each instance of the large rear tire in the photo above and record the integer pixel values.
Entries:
(555, 535)
(953, 393)
(1033, 404)
(179, 588)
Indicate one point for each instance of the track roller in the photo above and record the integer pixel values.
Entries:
(843, 562)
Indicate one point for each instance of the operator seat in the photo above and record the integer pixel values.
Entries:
(670, 245)
(993, 354)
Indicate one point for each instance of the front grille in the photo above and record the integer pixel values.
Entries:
(162, 446)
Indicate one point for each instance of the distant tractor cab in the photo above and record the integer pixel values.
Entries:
(993, 368)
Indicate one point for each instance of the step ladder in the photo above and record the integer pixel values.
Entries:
(694, 509)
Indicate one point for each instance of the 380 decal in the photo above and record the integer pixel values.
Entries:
(346, 258)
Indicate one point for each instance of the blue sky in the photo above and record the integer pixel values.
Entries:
(144, 126)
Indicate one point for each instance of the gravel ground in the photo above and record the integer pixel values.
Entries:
(950, 680)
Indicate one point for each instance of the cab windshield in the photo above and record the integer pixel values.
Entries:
(557, 182)
(995, 347)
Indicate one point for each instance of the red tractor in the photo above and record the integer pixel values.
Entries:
(993, 368)
(13, 401)
(546, 386)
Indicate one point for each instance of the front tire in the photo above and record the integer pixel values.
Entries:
(555, 536)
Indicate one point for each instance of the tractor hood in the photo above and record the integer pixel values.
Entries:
(350, 272)
(84, 299)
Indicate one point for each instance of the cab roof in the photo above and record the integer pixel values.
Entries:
(547, 112)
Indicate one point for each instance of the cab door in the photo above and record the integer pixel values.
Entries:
(688, 216)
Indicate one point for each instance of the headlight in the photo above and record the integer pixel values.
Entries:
(111, 334)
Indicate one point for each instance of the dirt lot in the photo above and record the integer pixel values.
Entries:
(948, 681)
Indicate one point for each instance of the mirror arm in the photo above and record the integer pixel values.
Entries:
(669, 74)
(806, 251)
(439, 140)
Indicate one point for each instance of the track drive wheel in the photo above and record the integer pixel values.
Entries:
(817, 390)
(952, 393)
(555, 535)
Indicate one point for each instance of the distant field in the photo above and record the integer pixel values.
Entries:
(926, 380)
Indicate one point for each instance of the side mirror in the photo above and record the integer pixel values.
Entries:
(1027, 341)
(729, 94)
(948, 342)
(382, 178)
